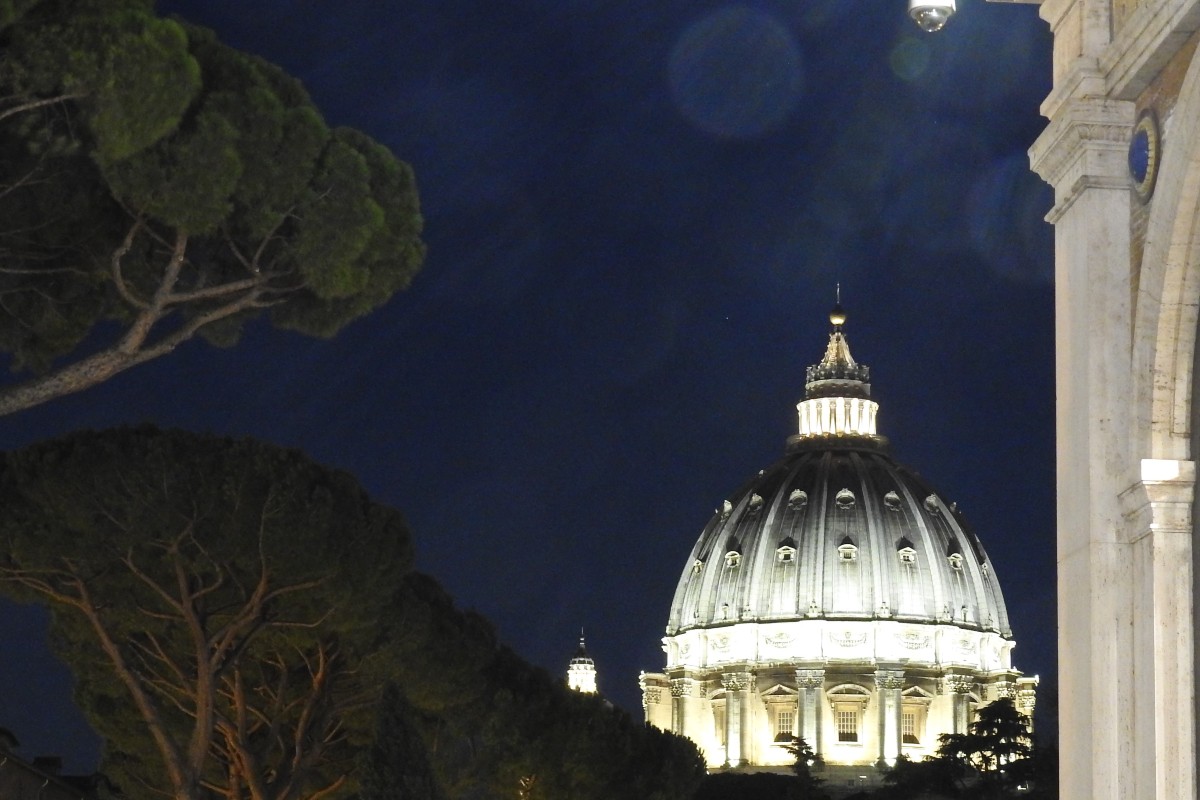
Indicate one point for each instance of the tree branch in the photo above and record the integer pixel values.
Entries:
(33, 104)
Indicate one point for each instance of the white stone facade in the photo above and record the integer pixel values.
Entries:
(1127, 285)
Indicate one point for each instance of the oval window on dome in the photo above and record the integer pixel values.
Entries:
(955, 560)
(756, 504)
(697, 566)
(733, 558)
(797, 499)
(726, 509)
(892, 501)
(931, 504)
(845, 499)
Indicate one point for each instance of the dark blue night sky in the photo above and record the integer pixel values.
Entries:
(636, 215)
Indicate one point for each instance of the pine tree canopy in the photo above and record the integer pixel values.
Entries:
(154, 178)
(223, 604)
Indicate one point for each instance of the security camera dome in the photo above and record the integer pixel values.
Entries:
(931, 15)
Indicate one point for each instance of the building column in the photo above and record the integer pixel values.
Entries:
(1158, 512)
(888, 683)
(738, 721)
(959, 688)
(809, 683)
(1026, 698)
(1083, 154)
(682, 690)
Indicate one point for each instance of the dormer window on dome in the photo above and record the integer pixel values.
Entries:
(905, 551)
(847, 550)
(786, 554)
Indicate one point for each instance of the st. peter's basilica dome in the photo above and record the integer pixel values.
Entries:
(835, 596)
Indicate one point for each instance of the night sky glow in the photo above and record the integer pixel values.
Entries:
(636, 215)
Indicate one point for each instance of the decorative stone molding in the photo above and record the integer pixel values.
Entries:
(848, 639)
(911, 640)
(735, 681)
(651, 695)
(959, 684)
(1004, 689)
(778, 641)
(1084, 147)
(810, 678)
(889, 679)
(1161, 500)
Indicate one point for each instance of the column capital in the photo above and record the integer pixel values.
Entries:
(736, 681)
(1161, 500)
(889, 679)
(683, 687)
(956, 683)
(1004, 688)
(810, 678)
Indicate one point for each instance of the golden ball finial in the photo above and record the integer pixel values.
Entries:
(837, 316)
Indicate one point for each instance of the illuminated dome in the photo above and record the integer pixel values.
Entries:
(835, 596)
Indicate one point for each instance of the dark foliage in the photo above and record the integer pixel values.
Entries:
(153, 178)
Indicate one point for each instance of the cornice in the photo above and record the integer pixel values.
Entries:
(1161, 502)
(1084, 126)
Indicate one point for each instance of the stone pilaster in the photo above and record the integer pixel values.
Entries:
(1159, 525)
(682, 690)
(889, 683)
(809, 683)
(959, 688)
(738, 720)
(1026, 697)
(1082, 154)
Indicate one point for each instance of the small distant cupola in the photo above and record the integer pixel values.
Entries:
(581, 674)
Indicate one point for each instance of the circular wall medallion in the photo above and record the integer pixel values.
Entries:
(1144, 148)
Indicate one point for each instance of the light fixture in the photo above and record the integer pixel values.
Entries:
(931, 15)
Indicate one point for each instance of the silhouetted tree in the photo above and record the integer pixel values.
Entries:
(992, 760)
(158, 181)
(221, 603)
(397, 764)
(808, 784)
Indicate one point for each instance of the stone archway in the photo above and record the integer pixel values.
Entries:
(1165, 371)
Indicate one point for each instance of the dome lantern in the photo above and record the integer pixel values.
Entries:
(837, 392)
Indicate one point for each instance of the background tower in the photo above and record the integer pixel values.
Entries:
(581, 673)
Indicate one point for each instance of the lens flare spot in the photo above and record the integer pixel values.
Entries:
(909, 59)
(736, 73)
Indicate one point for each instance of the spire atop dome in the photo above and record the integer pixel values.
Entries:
(837, 317)
(838, 374)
